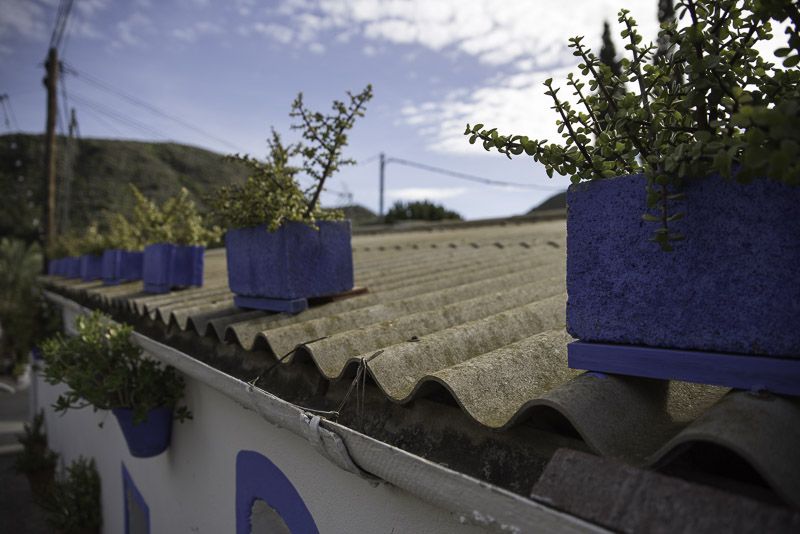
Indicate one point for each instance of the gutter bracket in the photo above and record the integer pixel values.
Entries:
(331, 446)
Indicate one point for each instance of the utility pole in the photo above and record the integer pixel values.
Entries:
(380, 205)
(50, 81)
(66, 177)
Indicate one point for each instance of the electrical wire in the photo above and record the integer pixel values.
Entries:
(145, 105)
(62, 16)
(470, 177)
(118, 116)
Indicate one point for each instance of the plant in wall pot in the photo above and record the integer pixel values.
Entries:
(104, 369)
(123, 258)
(683, 210)
(36, 461)
(175, 239)
(282, 248)
(73, 505)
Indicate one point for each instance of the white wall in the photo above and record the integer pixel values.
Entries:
(192, 487)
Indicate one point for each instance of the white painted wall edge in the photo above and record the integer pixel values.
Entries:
(474, 501)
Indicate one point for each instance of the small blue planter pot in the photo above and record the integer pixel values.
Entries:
(168, 266)
(52, 267)
(91, 267)
(121, 266)
(730, 287)
(149, 438)
(268, 270)
(71, 267)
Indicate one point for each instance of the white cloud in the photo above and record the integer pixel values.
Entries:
(425, 193)
(129, 30)
(278, 32)
(191, 33)
(25, 18)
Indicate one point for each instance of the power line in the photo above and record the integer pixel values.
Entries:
(146, 105)
(470, 177)
(118, 116)
(62, 16)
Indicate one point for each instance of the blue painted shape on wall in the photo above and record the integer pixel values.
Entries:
(258, 478)
(756, 373)
(140, 518)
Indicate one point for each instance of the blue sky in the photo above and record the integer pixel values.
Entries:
(232, 68)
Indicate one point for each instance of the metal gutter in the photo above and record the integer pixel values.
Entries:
(473, 501)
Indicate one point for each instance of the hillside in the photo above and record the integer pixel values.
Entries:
(557, 201)
(101, 172)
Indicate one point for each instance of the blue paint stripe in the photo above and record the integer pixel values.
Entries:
(777, 375)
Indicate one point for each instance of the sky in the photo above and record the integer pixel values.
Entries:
(229, 70)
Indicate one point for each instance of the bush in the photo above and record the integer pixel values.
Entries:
(73, 506)
(35, 456)
(176, 221)
(104, 369)
(420, 211)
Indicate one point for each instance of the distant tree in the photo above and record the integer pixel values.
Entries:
(666, 15)
(608, 53)
(608, 58)
(420, 211)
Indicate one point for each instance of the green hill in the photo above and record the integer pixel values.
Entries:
(556, 202)
(101, 172)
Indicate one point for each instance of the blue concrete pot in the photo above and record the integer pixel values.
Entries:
(149, 438)
(730, 287)
(71, 267)
(91, 266)
(294, 262)
(121, 266)
(168, 266)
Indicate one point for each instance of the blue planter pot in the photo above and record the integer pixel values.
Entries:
(149, 438)
(730, 287)
(294, 262)
(52, 267)
(91, 267)
(167, 266)
(71, 267)
(121, 266)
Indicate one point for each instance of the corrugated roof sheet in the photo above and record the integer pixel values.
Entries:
(478, 312)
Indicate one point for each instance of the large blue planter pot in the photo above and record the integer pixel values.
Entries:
(730, 287)
(71, 267)
(122, 266)
(91, 267)
(294, 262)
(168, 266)
(149, 438)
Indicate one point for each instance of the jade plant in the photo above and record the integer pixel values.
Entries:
(175, 221)
(272, 194)
(707, 103)
(73, 504)
(104, 369)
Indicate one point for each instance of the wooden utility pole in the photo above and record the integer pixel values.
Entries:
(380, 206)
(50, 81)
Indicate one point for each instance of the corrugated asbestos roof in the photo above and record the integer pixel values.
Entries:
(478, 312)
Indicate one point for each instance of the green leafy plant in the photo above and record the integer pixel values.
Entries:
(175, 221)
(73, 505)
(104, 369)
(419, 211)
(272, 194)
(706, 101)
(122, 235)
(36, 460)
(93, 241)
